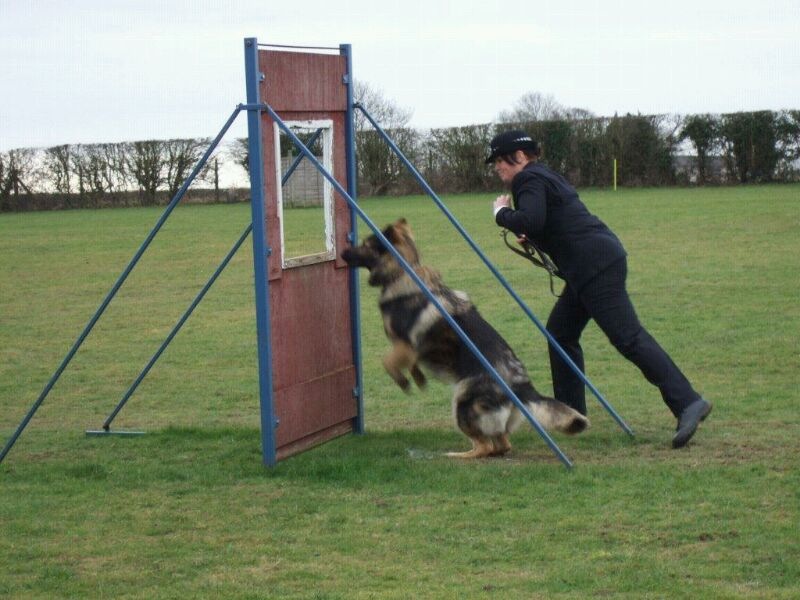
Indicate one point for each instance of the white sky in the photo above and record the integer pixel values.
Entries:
(83, 71)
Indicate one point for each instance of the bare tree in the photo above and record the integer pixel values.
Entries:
(377, 164)
(57, 168)
(533, 106)
(388, 114)
(117, 177)
(179, 157)
(578, 114)
(210, 173)
(143, 162)
(16, 168)
(239, 151)
(89, 165)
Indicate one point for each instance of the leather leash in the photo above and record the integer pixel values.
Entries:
(531, 252)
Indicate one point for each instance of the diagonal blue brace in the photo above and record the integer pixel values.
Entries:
(496, 273)
(455, 326)
(175, 330)
(198, 298)
(115, 288)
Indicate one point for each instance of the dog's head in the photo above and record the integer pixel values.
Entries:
(380, 262)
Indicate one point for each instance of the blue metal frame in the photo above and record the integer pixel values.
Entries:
(176, 329)
(460, 332)
(193, 305)
(260, 254)
(355, 302)
(496, 273)
(115, 288)
(261, 251)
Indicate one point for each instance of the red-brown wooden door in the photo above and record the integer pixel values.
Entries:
(314, 377)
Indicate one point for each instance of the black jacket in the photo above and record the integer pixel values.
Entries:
(549, 212)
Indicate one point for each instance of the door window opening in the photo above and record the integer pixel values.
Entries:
(305, 201)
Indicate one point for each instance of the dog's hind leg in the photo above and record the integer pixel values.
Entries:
(479, 416)
(481, 448)
(501, 445)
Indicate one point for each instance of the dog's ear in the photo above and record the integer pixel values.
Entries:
(403, 228)
(391, 234)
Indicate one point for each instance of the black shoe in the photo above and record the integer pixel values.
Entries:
(689, 420)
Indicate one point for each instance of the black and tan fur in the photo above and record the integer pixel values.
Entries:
(421, 336)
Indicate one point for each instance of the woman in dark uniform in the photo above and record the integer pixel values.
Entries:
(546, 210)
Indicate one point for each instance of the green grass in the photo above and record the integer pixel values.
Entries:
(304, 231)
(188, 510)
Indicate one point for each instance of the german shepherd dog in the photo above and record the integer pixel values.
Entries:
(421, 336)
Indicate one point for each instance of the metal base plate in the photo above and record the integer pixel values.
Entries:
(101, 432)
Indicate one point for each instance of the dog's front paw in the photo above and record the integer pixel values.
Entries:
(419, 378)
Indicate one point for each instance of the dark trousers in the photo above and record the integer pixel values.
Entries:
(606, 300)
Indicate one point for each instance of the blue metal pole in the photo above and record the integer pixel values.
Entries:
(260, 252)
(352, 175)
(113, 292)
(199, 297)
(460, 332)
(496, 273)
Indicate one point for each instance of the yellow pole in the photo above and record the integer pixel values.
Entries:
(615, 174)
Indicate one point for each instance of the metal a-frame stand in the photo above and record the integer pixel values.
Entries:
(346, 415)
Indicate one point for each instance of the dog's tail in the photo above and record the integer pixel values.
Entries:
(556, 415)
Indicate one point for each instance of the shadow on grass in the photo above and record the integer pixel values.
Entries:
(403, 458)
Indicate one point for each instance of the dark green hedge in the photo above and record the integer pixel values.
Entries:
(650, 150)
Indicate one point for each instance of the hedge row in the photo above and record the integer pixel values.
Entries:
(649, 150)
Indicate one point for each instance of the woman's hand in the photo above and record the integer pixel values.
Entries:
(503, 201)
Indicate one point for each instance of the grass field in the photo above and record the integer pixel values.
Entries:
(188, 511)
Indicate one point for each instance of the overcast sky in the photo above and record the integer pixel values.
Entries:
(83, 71)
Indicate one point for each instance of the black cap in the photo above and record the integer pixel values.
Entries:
(509, 142)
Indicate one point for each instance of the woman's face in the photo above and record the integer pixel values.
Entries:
(505, 170)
